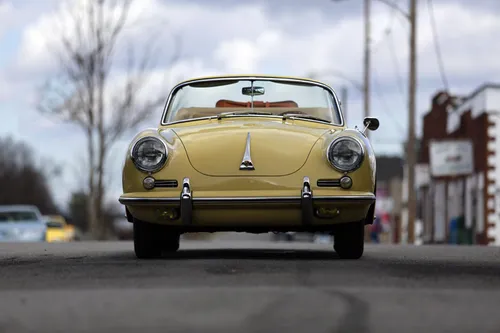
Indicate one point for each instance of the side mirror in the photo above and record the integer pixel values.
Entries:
(371, 123)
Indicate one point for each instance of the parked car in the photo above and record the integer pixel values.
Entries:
(292, 236)
(22, 223)
(58, 229)
(253, 154)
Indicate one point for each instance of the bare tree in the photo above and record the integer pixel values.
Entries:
(86, 94)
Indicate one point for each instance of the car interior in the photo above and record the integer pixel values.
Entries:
(276, 108)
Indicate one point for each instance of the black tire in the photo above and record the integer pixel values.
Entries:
(371, 215)
(150, 240)
(349, 240)
(170, 242)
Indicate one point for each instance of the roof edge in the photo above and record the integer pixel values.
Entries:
(481, 88)
(266, 76)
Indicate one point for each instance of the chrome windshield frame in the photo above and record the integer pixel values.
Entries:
(163, 121)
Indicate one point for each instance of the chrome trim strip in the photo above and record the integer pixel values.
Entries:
(328, 182)
(246, 163)
(248, 200)
(261, 78)
(166, 183)
(251, 116)
(125, 201)
(346, 198)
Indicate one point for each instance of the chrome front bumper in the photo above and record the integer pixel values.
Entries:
(186, 201)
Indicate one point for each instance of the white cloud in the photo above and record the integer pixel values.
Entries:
(239, 55)
(5, 91)
(157, 84)
(6, 10)
(464, 33)
(248, 37)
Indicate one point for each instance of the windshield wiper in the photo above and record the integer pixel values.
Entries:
(243, 112)
(304, 116)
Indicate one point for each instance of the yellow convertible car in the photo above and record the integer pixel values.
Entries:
(250, 154)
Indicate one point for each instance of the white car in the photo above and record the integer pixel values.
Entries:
(22, 223)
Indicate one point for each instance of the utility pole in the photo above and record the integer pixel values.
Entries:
(411, 149)
(366, 89)
(412, 86)
(343, 99)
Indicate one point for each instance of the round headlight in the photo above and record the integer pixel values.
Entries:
(345, 154)
(149, 154)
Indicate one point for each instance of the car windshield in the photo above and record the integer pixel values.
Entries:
(55, 224)
(18, 216)
(236, 97)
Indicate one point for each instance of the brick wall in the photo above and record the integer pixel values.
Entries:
(434, 124)
(473, 118)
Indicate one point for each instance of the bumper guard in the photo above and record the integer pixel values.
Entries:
(186, 201)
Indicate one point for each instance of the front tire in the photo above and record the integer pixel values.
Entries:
(170, 242)
(349, 240)
(150, 240)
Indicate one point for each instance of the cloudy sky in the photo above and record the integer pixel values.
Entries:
(286, 37)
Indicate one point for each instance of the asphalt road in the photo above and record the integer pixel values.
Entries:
(248, 286)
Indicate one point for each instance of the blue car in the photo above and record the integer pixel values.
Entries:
(22, 223)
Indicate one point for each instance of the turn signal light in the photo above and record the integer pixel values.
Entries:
(346, 182)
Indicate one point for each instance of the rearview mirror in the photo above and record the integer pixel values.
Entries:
(253, 91)
(371, 123)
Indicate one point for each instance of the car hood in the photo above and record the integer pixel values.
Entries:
(276, 148)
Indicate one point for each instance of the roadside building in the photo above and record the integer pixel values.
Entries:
(388, 206)
(459, 193)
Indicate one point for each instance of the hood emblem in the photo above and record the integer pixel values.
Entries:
(247, 164)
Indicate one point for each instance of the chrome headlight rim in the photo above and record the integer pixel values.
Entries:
(159, 165)
(355, 166)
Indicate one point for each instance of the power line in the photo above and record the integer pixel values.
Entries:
(359, 87)
(395, 61)
(387, 141)
(387, 30)
(388, 34)
(385, 105)
(430, 8)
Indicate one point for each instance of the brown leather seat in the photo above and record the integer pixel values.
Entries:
(200, 112)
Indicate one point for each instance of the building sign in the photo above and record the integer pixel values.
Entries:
(421, 175)
(451, 158)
